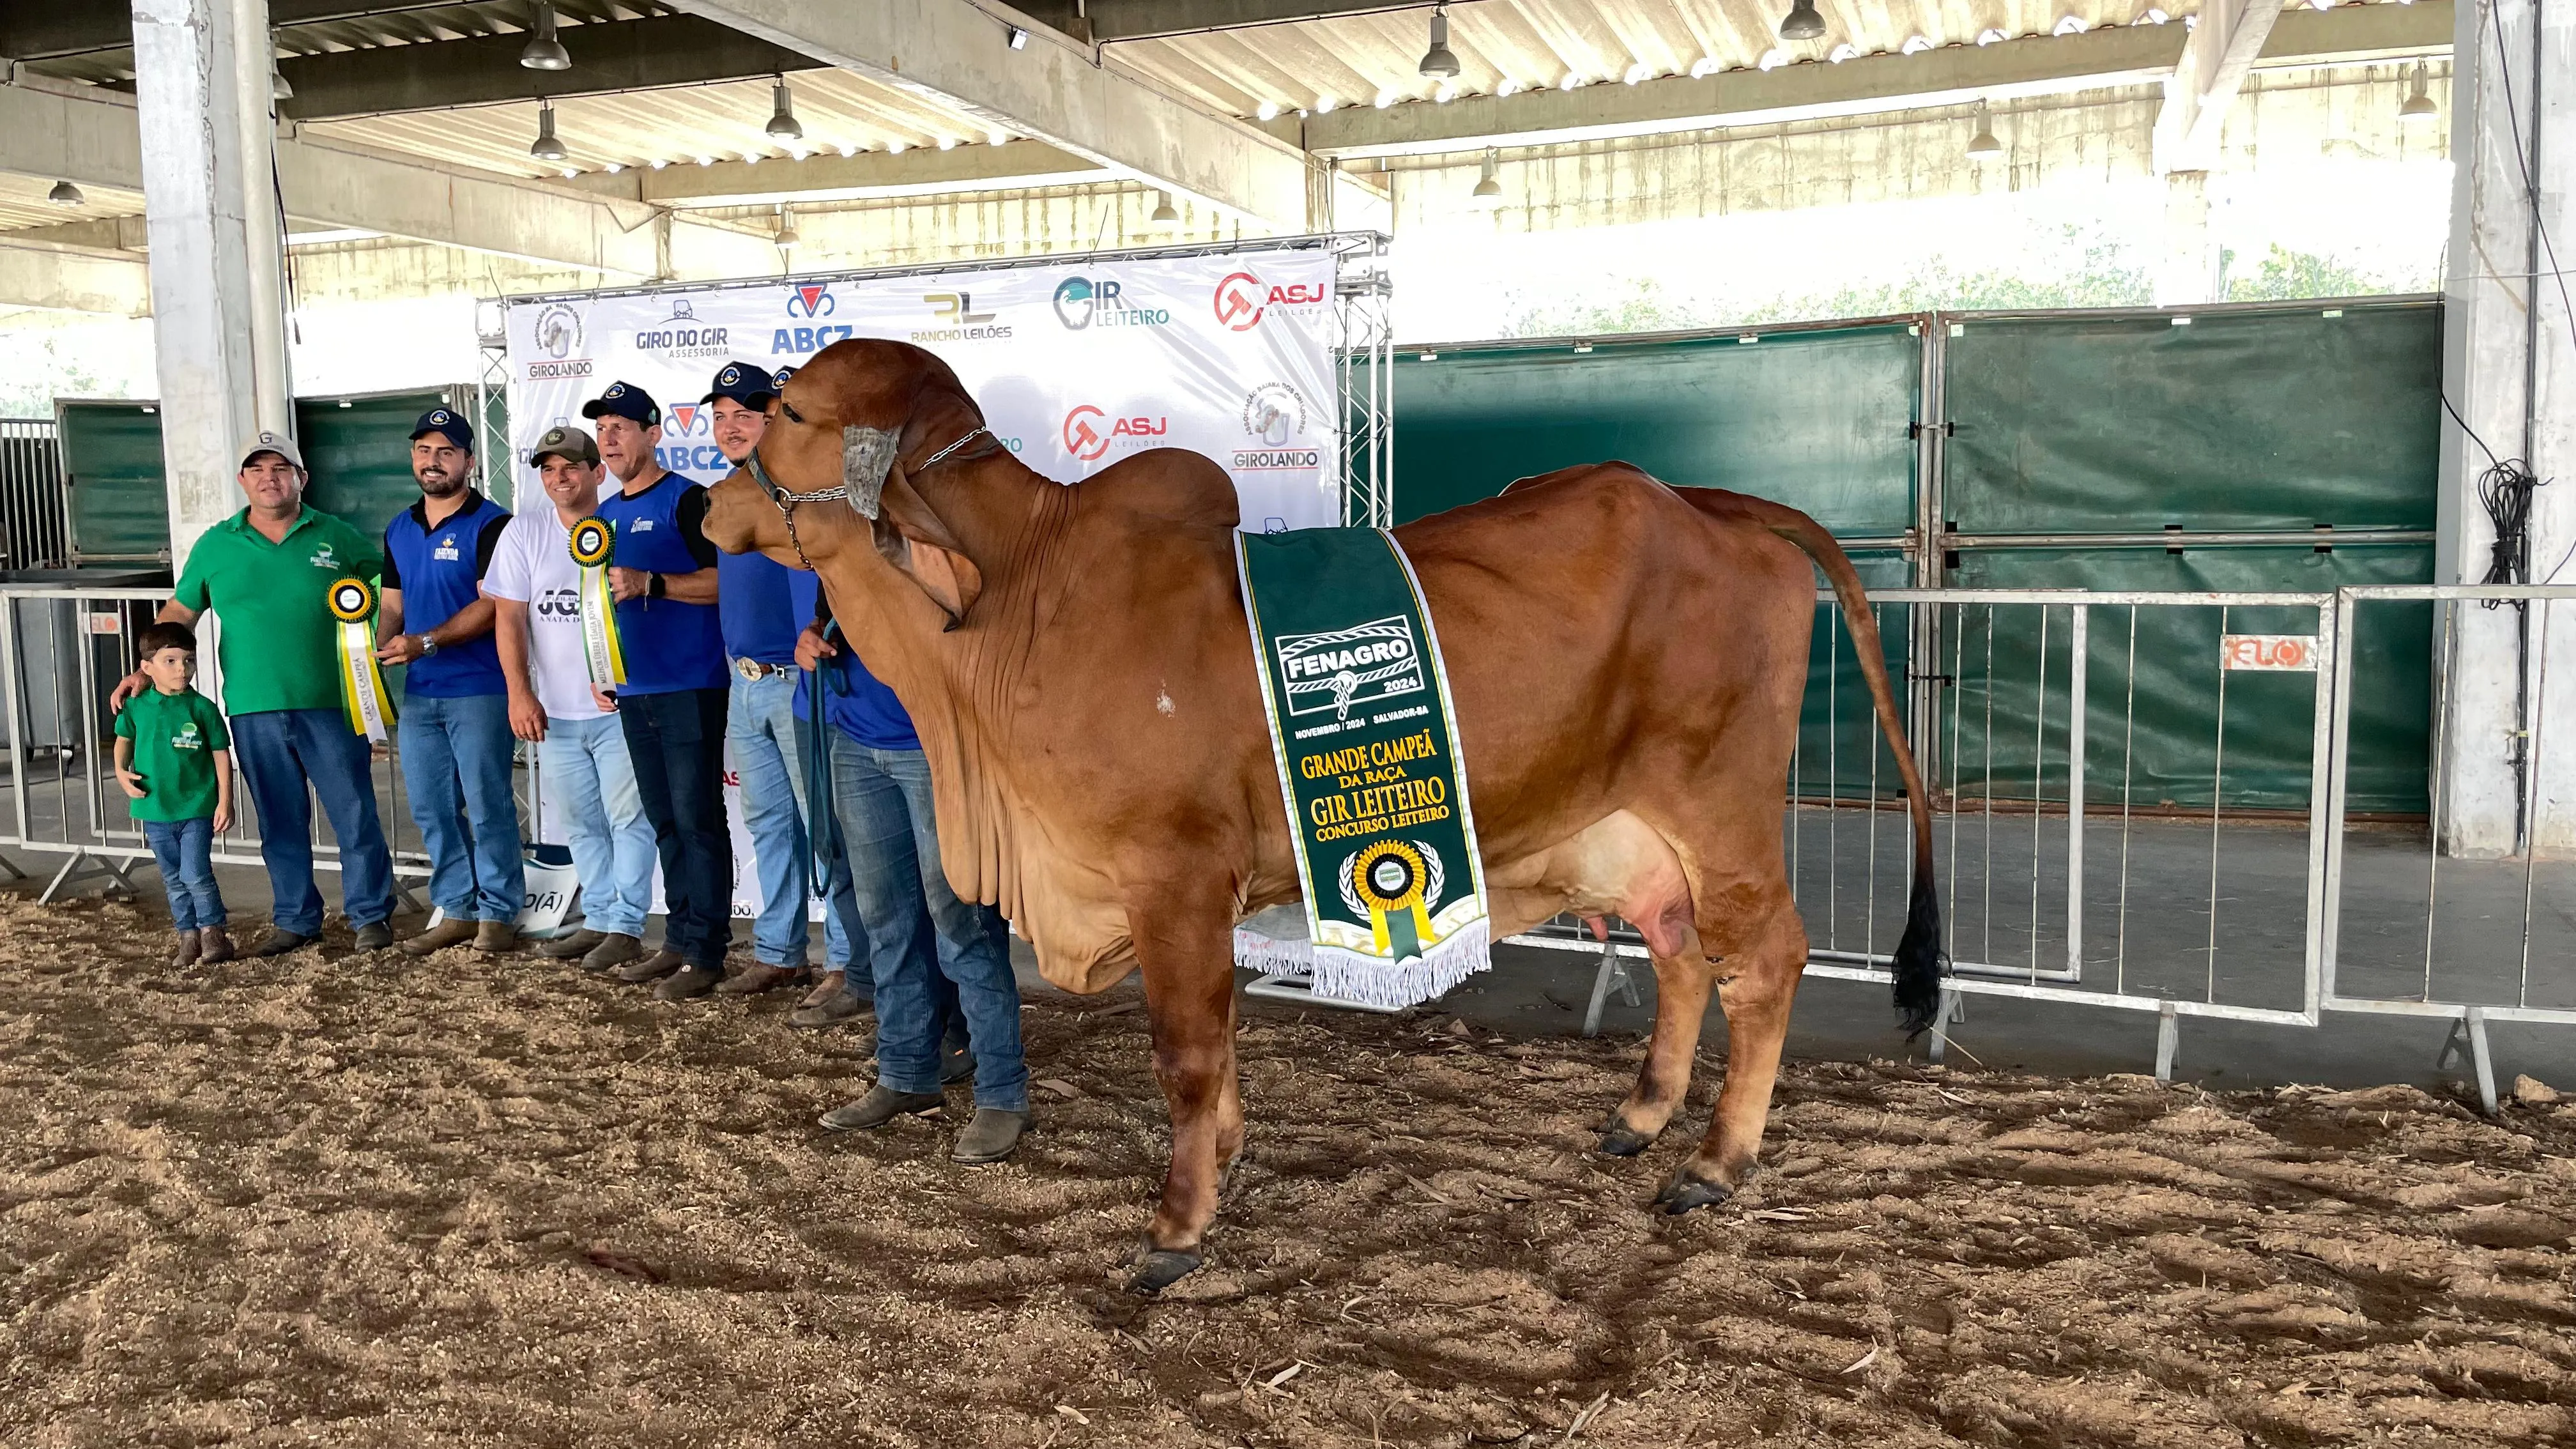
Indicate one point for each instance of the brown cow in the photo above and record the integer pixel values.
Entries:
(1626, 660)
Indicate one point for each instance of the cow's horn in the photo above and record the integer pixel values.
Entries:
(866, 454)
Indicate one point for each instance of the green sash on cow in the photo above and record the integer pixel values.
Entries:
(1360, 724)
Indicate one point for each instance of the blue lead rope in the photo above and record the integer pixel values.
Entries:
(822, 822)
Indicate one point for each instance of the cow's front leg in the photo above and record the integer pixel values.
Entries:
(1187, 950)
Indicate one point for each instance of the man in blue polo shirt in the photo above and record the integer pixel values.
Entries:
(672, 706)
(763, 604)
(454, 729)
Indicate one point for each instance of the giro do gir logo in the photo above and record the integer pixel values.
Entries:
(682, 335)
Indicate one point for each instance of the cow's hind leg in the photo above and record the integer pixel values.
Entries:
(1681, 1007)
(1761, 953)
(1186, 949)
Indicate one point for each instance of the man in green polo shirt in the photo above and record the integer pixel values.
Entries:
(264, 572)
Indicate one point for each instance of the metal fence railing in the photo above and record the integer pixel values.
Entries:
(62, 652)
(35, 517)
(2420, 922)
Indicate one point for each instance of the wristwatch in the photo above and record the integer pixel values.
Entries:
(656, 586)
(428, 645)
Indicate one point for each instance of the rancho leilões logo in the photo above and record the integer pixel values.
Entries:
(1360, 665)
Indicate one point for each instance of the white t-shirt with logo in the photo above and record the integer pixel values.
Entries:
(533, 565)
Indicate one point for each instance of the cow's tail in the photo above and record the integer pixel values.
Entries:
(1919, 960)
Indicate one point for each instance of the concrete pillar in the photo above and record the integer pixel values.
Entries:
(2509, 370)
(211, 217)
(2187, 267)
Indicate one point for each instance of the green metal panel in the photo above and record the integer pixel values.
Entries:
(2175, 759)
(2267, 419)
(358, 450)
(1814, 419)
(112, 461)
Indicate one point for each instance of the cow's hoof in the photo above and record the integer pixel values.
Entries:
(1618, 1141)
(1685, 1192)
(1160, 1268)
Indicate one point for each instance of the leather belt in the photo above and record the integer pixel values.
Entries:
(754, 669)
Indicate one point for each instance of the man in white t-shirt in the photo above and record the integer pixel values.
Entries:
(581, 747)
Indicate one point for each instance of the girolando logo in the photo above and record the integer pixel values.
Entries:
(1088, 431)
(558, 336)
(811, 300)
(1081, 302)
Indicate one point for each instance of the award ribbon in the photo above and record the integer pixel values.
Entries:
(594, 543)
(363, 699)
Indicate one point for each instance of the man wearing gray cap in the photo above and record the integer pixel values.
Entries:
(265, 573)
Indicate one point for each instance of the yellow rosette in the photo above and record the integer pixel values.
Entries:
(1390, 878)
(363, 697)
(594, 543)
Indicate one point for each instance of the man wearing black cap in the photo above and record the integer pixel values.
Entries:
(454, 728)
(672, 706)
(763, 604)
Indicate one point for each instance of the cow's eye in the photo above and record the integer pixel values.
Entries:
(790, 411)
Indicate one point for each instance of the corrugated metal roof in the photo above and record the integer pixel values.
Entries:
(1513, 45)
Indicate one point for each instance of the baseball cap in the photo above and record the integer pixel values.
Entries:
(781, 375)
(265, 441)
(445, 422)
(568, 443)
(747, 383)
(625, 400)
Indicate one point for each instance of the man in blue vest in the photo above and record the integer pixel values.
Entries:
(454, 729)
(672, 706)
(763, 604)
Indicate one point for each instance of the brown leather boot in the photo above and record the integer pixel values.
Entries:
(213, 945)
(566, 948)
(826, 986)
(184, 951)
(494, 937)
(652, 968)
(760, 976)
(439, 938)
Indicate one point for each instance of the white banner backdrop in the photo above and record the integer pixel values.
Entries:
(1077, 364)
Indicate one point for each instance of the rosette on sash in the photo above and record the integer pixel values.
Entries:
(594, 543)
(363, 698)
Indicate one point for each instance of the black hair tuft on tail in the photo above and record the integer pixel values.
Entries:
(1919, 964)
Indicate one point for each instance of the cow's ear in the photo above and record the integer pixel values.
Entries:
(914, 538)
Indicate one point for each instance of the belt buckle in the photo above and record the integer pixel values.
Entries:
(750, 668)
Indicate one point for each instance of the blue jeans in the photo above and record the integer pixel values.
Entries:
(281, 752)
(676, 740)
(456, 757)
(185, 849)
(760, 726)
(591, 780)
(918, 930)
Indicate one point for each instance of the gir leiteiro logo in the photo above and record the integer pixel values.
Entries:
(1356, 666)
(808, 299)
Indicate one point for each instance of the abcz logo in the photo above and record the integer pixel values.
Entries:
(810, 300)
(1088, 432)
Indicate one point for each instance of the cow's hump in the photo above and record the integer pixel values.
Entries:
(1170, 484)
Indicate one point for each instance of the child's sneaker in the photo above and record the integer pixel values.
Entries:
(186, 952)
(213, 945)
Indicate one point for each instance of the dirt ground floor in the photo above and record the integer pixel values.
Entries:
(366, 1200)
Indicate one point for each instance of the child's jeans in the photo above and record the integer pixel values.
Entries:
(185, 849)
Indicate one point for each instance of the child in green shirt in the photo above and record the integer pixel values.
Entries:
(174, 759)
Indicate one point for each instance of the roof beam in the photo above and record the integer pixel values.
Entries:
(616, 55)
(958, 55)
(63, 279)
(90, 137)
(48, 29)
(1110, 20)
(2212, 68)
(1014, 165)
(1951, 75)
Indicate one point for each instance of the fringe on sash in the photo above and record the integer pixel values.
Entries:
(1339, 975)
